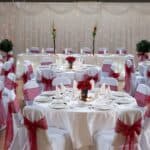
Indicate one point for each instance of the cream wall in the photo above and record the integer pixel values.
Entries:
(119, 24)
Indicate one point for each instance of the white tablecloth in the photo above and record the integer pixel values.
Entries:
(97, 59)
(83, 122)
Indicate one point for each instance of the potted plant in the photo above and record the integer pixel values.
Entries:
(6, 47)
(143, 47)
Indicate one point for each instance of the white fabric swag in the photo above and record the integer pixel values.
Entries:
(118, 24)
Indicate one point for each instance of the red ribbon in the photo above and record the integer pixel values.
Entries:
(32, 130)
(114, 74)
(9, 84)
(148, 73)
(129, 131)
(12, 69)
(128, 72)
(13, 107)
(47, 83)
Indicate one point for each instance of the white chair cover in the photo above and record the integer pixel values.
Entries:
(112, 140)
(47, 139)
(106, 67)
(145, 136)
(102, 50)
(49, 50)
(34, 50)
(142, 94)
(121, 51)
(31, 89)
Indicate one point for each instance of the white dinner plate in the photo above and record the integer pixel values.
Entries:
(59, 106)
(124, 101)
(102, 107)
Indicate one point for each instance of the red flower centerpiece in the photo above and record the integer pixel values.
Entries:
(84, 86)
(70, 60)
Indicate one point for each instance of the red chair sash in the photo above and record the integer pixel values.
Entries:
(114, 74)
(13, 107)
(129, 131)
(95, 77)
(148, 73)
(141, 99)
(47, 83)
(9, 84)
(12, 69)
(147, 113)
(27, 75)
(128, 72)
(30, 94)
(32, 130)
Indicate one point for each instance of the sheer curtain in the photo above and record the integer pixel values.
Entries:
(118, 24)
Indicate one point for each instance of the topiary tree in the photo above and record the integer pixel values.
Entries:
(6, 45)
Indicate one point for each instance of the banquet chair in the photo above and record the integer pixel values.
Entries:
(147, 78)
(8, 67)
(86, 50)
(106, 67)
(121, 51)
(35, 50)
(62, 80)
(28, 73)
(2, 108)
(129, 70)
(47, 138)
(142, 94)
(15, 132)
(45, 77)
(31, 89)
(102, 51)
(111, 82)
(49, 50)
(126, 134)
(145, 135)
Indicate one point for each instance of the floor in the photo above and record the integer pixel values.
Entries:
(20, 98)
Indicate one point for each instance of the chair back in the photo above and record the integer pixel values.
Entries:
(102, 51)
(31, 89)
(86, 50)
(34, 50)
(121, 51)
(127, 130)
(36, 125)
(49, 50)
(142, 95)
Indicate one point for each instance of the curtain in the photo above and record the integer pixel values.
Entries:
(118, 24)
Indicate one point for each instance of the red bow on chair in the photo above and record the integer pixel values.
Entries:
(13, 107)
(129, 131)
(32, 129)
(47, 83)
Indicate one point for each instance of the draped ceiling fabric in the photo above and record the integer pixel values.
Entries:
(119, 24)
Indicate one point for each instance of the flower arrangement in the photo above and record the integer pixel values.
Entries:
(54, 36)
(94, 35)
(84, 86)
(70, 60)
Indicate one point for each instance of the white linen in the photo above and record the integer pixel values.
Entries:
(82, 120)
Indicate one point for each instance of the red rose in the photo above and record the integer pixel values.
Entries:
(70, 59)
(84, 85)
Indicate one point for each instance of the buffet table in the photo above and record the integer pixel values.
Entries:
(97, 59)
(83, 119)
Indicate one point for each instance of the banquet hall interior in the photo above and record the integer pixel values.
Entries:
(75, 75)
